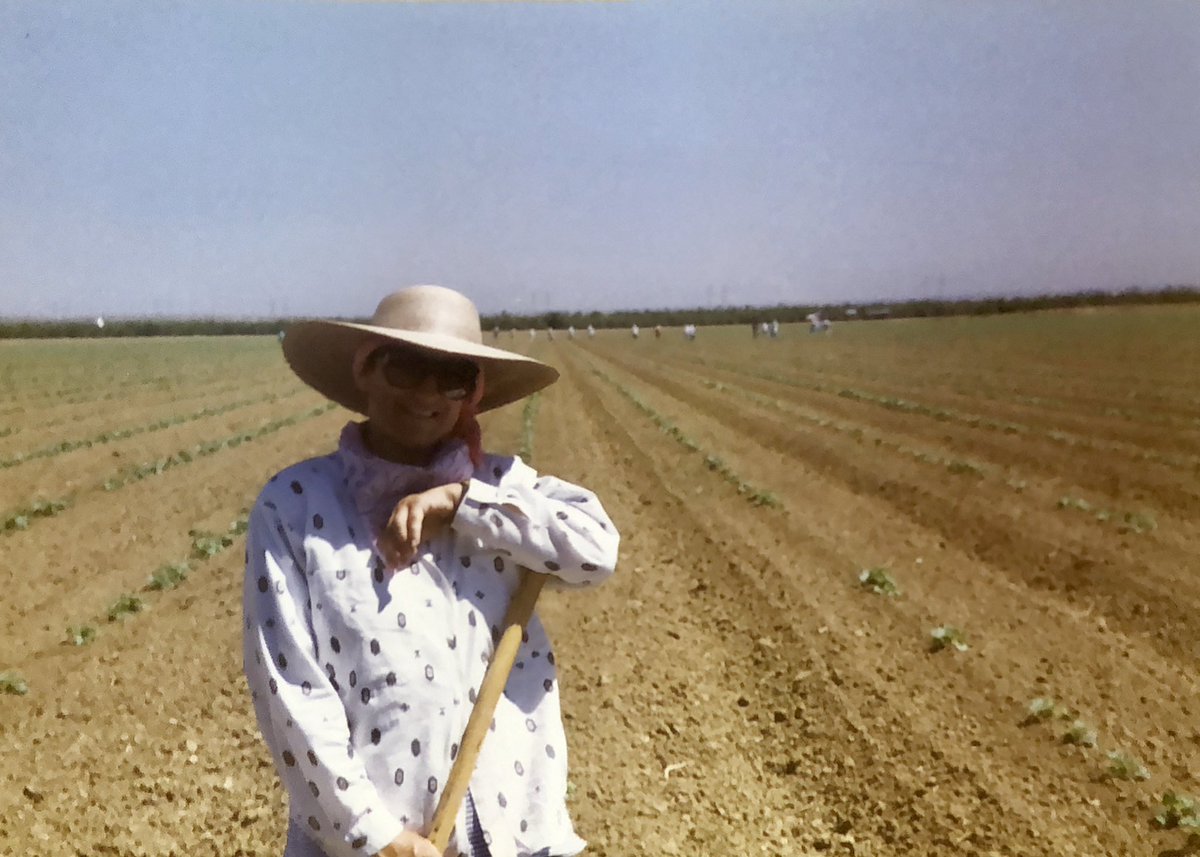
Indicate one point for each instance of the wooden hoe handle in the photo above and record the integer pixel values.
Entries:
(494, 679)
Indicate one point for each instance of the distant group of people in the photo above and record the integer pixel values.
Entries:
(689, 331)
(769, 329)
(512, 332)
(817, 324)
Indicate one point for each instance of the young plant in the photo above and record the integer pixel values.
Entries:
(947, 637)
(1122, 766)
(124, 606)
(1080, 734)
(1178, 811)
(1044, 708)
(11, 682)
(1139, 522)
(21, 519)
(206, 545)
(81, 635)
(762, 498)
(878, 581)
(169, 576)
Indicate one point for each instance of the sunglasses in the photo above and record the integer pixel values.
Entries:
(407, 368)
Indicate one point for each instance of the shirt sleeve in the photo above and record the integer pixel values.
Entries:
(548, 525)
(298, 711)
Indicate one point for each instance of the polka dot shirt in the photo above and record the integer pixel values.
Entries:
(363, 678)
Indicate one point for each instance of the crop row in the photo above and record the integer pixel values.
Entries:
(1139, 521)
(755, 496)
(177, 397)
(205, 546)
(957, 466)
(1187, 462)
(23, 518)
(1176, 810)
(976, 388)
(85, 392)
(528, 417)
(122, 434)
(185, 456)
(1134, 522)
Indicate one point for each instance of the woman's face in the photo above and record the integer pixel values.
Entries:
(414, 399)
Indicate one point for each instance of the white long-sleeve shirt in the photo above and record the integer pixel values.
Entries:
(363, 678)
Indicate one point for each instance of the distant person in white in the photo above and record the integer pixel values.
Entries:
(635, 330)
(591, 331)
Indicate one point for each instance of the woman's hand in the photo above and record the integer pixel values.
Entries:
(418, 518)
(409, 844)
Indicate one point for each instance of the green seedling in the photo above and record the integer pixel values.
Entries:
(1178, 811)
(11, 682)
(206, 545)
(947, 637)
(124, 606)
(878, 581)
(763, 498)
(1043, 708)
(169, 576)
(81, 635)
(21, 519)
(1080, 734)
(964, 468)
(1139, 522)
(46, 508)
(1122, 766)
(1046, 708)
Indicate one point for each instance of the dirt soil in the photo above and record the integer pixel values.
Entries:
(733, 689)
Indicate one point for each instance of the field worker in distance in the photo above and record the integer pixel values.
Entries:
(591, 331)
(635, 330)
(377, 577)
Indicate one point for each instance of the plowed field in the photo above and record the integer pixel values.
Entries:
(1031, 481)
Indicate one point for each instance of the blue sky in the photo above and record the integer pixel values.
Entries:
(304, 158)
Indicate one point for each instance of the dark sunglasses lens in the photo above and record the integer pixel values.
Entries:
(404, 370)
(456, 380)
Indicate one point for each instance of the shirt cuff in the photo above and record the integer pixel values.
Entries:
(476, 500)
(374, 831)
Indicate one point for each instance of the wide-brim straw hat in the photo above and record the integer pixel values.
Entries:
(435, 318)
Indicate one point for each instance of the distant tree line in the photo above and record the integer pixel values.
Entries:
(560, 320)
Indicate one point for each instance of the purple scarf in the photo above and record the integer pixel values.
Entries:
(377, 484)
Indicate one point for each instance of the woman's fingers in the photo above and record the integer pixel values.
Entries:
(416, 522)
(415, 518)
(400, 523)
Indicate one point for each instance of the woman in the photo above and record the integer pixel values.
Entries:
(376, 581)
